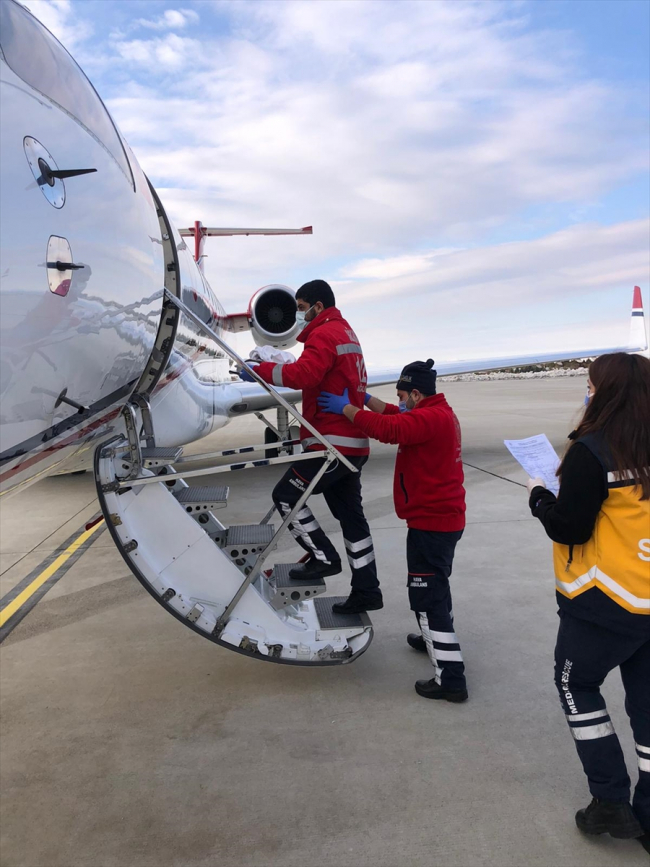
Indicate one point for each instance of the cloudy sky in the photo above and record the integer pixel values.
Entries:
(477, 173)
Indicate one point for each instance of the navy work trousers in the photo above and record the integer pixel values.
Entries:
(342, 491)
(584, 655)
(429, 556)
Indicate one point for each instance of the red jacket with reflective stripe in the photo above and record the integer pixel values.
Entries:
(428, 486)
(332, 361)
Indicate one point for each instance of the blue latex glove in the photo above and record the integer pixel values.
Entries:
(333, 402)
(245, 375)
(366, 398)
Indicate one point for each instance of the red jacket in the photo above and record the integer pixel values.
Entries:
(428, 487)
(332, 360)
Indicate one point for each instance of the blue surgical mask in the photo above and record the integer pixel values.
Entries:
(402, 406)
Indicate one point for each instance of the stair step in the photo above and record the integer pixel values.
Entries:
(203, 498)
(161, 457)
(243, 541)
(289, 591)
(329, 619)
(280, 577)
(239, 535)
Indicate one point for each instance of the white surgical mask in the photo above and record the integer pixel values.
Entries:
(300, 317)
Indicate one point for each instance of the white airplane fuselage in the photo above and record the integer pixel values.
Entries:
(87, 332)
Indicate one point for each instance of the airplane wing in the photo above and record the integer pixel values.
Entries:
(254, 398)
(483, 365)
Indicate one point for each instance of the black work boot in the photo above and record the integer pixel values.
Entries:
(644, 840)
(357, 602)
(432, 689)
(416, 642)
(314, 568)
(609, 817)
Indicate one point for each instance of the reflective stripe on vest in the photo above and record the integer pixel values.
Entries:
(597, 576)
(614, 559)
(348, 442)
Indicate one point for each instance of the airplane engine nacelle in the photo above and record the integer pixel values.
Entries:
(272, 316)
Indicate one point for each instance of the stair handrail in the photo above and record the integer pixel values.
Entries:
(225, 453)
(252, 576)
(265, 385)
(216, 470)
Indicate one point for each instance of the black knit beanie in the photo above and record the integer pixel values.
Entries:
(420, 375)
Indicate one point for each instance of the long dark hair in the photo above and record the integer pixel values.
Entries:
(620, 410)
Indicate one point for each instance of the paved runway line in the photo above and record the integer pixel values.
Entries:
(19, 601)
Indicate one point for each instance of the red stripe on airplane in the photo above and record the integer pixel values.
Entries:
(637, 303)
(35, 458)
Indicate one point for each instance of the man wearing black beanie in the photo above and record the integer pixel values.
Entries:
(429, 494)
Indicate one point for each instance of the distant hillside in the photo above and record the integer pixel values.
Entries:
(551, 369)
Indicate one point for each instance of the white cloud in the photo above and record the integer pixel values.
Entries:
(171, 19)
(570, 289)
(580, 259)
(405, 132)
(385, 125)
(166, 54)
(396, 266)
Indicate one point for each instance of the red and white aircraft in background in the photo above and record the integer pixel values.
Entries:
(103, 309)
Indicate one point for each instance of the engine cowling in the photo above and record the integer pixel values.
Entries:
(272, 316)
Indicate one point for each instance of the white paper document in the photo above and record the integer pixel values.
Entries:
(538, 457)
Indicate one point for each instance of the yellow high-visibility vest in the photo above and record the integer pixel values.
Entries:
(617, 557)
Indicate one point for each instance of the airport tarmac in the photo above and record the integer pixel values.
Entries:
(130, 741)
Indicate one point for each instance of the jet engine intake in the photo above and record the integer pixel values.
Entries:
(272, 316)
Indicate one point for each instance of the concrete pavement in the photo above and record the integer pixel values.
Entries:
(129, 741)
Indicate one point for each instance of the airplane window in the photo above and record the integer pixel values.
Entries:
(43, 63)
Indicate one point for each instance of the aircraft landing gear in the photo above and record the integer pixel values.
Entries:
(283, 432)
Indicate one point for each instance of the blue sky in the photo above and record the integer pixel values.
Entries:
(476, 172)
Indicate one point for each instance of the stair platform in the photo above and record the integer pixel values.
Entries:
(329, 619)
(289, 591)
(156, 457)
(203, 498)
(249, 535)
(281, 577)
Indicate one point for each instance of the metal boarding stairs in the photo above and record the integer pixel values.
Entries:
(212, 577)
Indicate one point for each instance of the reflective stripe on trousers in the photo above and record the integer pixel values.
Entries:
(585, 654)
(302, 525)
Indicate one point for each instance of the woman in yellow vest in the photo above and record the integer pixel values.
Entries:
(600, 526)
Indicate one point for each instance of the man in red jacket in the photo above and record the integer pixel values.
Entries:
(332, 360)
(429, 494)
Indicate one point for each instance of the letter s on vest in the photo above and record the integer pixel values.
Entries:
(644, 545)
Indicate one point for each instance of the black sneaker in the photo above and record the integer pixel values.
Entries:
(609, 817)
(356, 603)
(416, 642)
(314, 568)
(431, 689)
